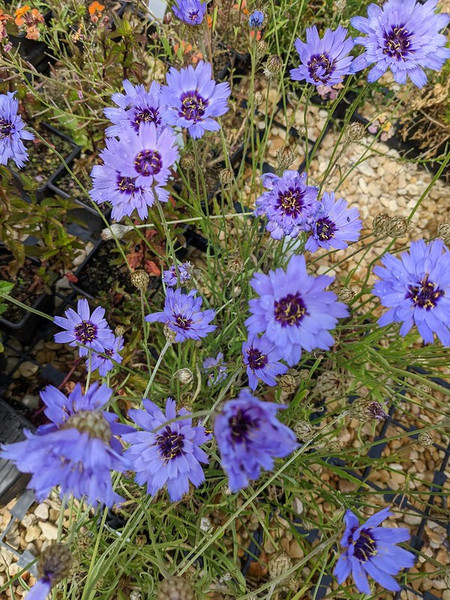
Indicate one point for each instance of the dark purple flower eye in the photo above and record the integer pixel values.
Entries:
(191, 12)
(262, 361)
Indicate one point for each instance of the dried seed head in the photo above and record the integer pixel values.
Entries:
(184, 376)
(380, 224)
(304, 374)
(175, 588)
(235, 264)
(304, 431)
(340, 5)
(140, 540)
(226, 176)
(115, 230)
(331, 384)
(365, 408)
(140, 279)
(119, 331)
(206, 525)
(346, 294)
(334, 446)
(90, 422)
(169, 334)
(55, 563)
(397, 226)
(278, 565)
(261, 50)
(425, 439)
(288, 383)
(258, 99)
(354, 132)
(187, 161)
(274, 65)
(285, 157)
(443, 232)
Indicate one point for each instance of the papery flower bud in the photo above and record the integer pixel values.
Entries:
(169, 334)
(278, 565)
(397, 226)
(184, 376)
(354, 132)
(226, 176)
(346, 294)
(261, 49)
(380, 224)
(285, 157)
(303, 430)
(443, 232)
(258, 99)
(140, 279)
(187, 161)
(119, 331)
(425, 439)
(116, 230)
(288, 383)
(274, 66)
(365, 408)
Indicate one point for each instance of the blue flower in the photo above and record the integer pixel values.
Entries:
(191, 12)
(134, 170)
(262, 361)
(371, 550)
(289, 204)
(77, 451)
(103, 364)
(325, 61)
(256, 19)
(166, 454)
(334, 225)
(193, 99)
(183, 316)
(403, 36)
(217, 369)
(184, 272)
(12, 132)
(293, 310)
(83, 328)
(40, 590)
(249, 437)
(136, 106)
(416, 289)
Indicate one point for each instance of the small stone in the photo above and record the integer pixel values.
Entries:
(49, 531)
(32, 534)
(295, 550)
(41, 512)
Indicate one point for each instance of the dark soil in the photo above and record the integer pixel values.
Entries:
(70, 187)
(102, 274)
(28, 286)
(42, 161)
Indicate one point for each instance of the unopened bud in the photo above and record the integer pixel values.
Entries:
(279, 564)
(274, 66)
(226, 176)
(345, 294)
(169, 334)
(380, 224)
(340, 5)
(285, 157)
(443, 232)
(425, 439)
(258, 99)
(187, 161)
(140, 279)
(397, 226)
(119, 331)
(288, 383)
(55, 563)
(304, 431)
(115, 230)
(235, 264)
(261, 49)
(184, 376)
(354, 132)
(364, 408)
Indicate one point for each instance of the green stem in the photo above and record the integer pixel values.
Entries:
(155, 370)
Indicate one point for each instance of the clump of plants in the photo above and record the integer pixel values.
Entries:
(229, 344)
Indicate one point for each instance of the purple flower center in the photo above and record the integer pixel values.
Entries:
(86, 332)
(320, 68)
(6, 129)
(145, 115)
(126, 184)
(256, 359)
(291, 201)
(193, 106)
(397, 42)
(425, 295)
(148, 162)
(193, 15)
(182, 322)
(170, 443)
(325, 229)
(290, 310)
(109, 351)
(365, 546)
(241, 425)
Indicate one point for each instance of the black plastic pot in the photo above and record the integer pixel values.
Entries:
(42, 191)
(12, 481)
(25, 329)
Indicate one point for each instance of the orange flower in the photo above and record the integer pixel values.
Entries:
(36, 16)
(20, 12)
(95, 7)
(32, 33)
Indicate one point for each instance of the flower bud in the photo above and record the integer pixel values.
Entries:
(55, 563)
(187, 161)
(288, 383)
(258, 99)
(184, 376)
(169, 334)
(425, 439)
(443, 232)
(278, 565)
(226, 176)
(119, 331)
(304, 431)
(354, 132)
(140, 279)
(261, 49)
(116, 230)
(274, 66)
(346, 294)
(285, 157)
(380, 224)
